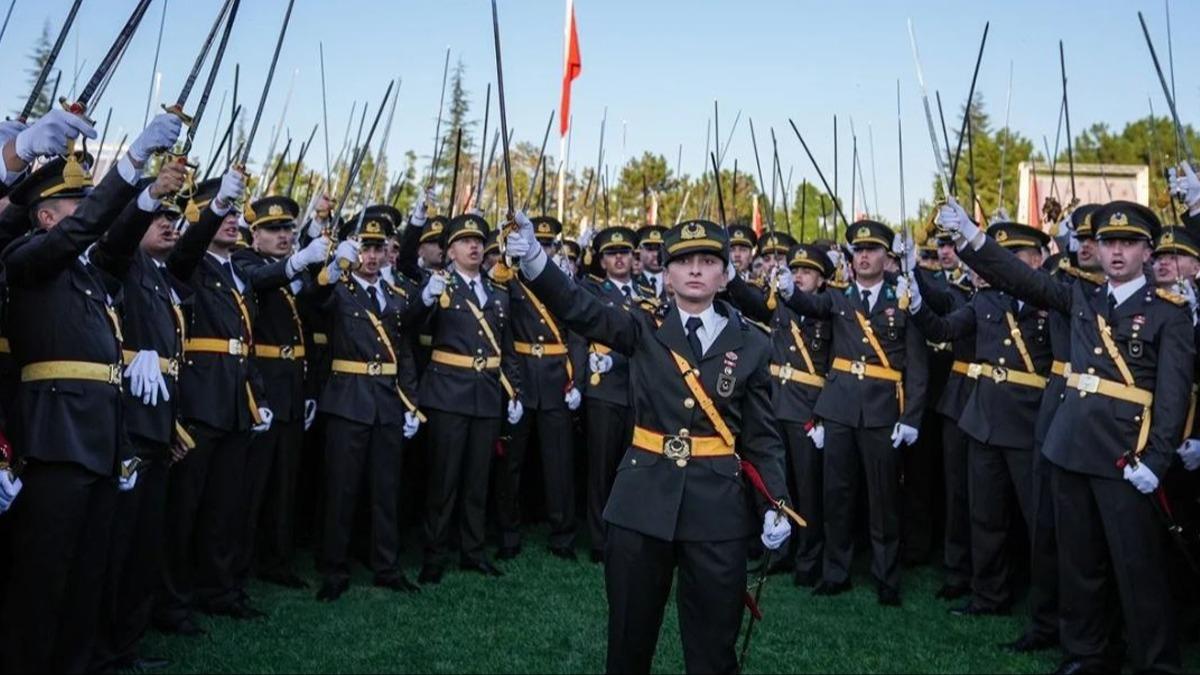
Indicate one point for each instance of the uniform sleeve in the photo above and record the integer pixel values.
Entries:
(1005, 271)
(819, 305)
(954, 326)
(759, 441)
(190, 248)
(1172, 394)
(508, 361)
(750, 300)
(115, 250)
(406, 376)
(260, 274)
(583, 313)
(916, 376)
(406, 255)
(937, 296)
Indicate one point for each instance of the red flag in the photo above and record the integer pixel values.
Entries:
(757, 221)
(572, 66)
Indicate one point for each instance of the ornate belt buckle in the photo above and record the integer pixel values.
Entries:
(858, 368)
(287, 352)
(678, 448)
(173, 368)
(1089, 384)
(114, 374)
(374, 368)
(785, 372)
(479, 363)
(974, 370)
(235, 346)
(538, 350)
(999, 375)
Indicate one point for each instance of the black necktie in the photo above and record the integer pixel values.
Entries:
(471, 287)
(1112, 305)
(229, 273)
(628, 292)
(693, 325)
(866, 300)
(374, 297)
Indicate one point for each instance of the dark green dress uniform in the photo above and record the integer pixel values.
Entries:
(863, 399)
(273, 458)
(1012, 363)
(66, 337)
(219, 400)
(679, 498)
(650, 237)
(800, 355)
(432, 231)
(472, 375)
(944, 291)
(608, 396)
(1104, 525)
(371, 386)
(151, 319)
(548, 371)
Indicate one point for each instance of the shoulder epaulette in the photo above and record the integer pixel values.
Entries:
(398, 290)
(1090, 277)
(595, 278)
(1170, 296)
(761, 326)
(839, 285)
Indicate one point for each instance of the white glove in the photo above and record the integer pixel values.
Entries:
(1072, 242)
(49, 135)
(953, 218)
(776, 529)
(1189, 452)
(420, 209)
(312, 254)
(266, 416)
(145, 378)
(817, 434)
(160, 134)
(523, 243)
(1142, 478)
(348, 251)
(1187, 289)
(515, 411)
(9, 129)
(912, 290)
(433, 289)
(310, 413)
(599, 363)
(573, 399)
(411, 424)
(10, 487)
(730, 271)
(785, 283)
(125, 483)
(1187, 186)
(903, 434)
(1065, 226)
(233, 186)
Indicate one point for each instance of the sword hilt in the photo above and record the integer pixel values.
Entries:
(177, 110)
(76, 108)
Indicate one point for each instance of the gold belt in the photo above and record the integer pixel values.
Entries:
(960, 367)
(1058, 368)
(999, 374)
(787, 373)
(320, 339)
(5, 348)
(109, 373)
(1092, 384)
(165, 366)
(425, 340)
(863, 369)
(228, 346)
(479, 363)
(539, 350)
(680, 447)
(285, 352)
(372, 368)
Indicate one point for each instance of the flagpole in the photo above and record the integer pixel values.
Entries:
(562, 138)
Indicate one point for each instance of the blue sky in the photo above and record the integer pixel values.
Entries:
(657, 66)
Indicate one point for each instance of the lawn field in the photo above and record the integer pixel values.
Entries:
(547, 615)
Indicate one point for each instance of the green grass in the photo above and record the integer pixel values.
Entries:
(546, 615)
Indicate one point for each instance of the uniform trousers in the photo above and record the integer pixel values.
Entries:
(272, 465)
(609, 433)
(956, 546)
(805, 463)
(556, 447)
(995, 473)
(462, 448)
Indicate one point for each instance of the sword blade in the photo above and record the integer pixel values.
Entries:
(942, 174)
(208, 41)
(508, 183)
(211, 81)
(262, 101)
(1187, 148)
(48, 66)
(115, 51)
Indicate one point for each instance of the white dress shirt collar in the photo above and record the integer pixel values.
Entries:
(1127, 289)
(874, 290)
(713, 322)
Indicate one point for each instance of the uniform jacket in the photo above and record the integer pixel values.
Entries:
(277, 324)
(706, 499)
(454, 329)
(793, 401)
(367, 399)
(614, 385)
(997, 412)
(216, 389)
(869, 402)
(944, 296)
(59, 310)
(1154, 336)
(544, 381)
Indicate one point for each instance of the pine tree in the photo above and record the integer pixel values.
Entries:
(39, 57)
(454, 120)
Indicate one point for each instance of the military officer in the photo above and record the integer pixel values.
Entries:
(67, 338)
(799, 363)
(1115, 432)
(650, 279)
(774, 248)
(871, 405)
(699, 380)
(550, 392)
(370, 405)
(742, 241)
(1012, 363)
(472, 382)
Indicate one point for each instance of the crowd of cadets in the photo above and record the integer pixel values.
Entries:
(180, 362)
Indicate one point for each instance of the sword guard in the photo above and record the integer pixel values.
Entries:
(177, 111)
(76, 108)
